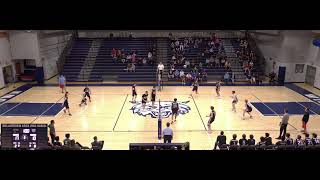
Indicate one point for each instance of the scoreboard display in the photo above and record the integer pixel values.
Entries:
(24, 136)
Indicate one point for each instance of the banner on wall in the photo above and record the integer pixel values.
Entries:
(316, 41)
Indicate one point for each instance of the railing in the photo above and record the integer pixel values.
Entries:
(62, 58)
(259, 55)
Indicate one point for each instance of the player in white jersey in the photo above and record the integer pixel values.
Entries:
(218, 85)
(234, 101)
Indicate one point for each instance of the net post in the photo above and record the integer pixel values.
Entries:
(159, 123)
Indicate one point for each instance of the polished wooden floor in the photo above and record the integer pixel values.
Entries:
(109, 117)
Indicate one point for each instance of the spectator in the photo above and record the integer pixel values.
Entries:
(189, 77)
(66, 141)
(282, 142)
(170, 74)
(307, 140)
(298, 141)
(226, 77)
(221, 140)
(160, 68)
(119, 53)
(284, 124)
(177, 74)
(57, 142)
(268, 139)
(74, 145)
(262, 142)
(315, 140)
(234, 141)
(243, 141)
(114, 53)
(233, 78)
(167, 134)
(200, 65)
(144, 61)
(187, 63)
(182, 77)
(251, 141)
(207, 63)
(96, 145)
(289, 141)
(52, 131)
(150, 55)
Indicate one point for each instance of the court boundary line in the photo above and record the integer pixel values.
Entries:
(10, 109)
(47, 110)
(316, 114)
(124, 102)
(273, 111)
(199, 113)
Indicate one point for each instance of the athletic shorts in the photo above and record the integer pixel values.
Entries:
(61, 86)
(174, 111)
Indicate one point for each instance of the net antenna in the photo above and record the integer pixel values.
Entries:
(159, 123)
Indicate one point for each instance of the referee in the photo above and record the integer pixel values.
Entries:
(167, 134)
(284, 124)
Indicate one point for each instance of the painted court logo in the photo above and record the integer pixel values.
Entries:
(154, 111)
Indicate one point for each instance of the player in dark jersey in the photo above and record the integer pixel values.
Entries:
(175, 110)
(195, 86)
(153, 95)
(218, 85)
(234, 141)
(212, 116)
(289, 140)
(66, 103)
(243, 141)
(305, 119)
(315, 140)
(247, 109)
(83, 100)
(87, 92)
(251, 140)
(307, 140)
(144, 99)
(134, 93)
(298, 141)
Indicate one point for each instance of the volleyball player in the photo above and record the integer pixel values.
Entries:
(218, 85)
(83, 100)
(247, 109)
(175, 110)
(234, 101)
(134, 93)
(144, 99)
(305, 119)
(153, 95)
(195, 86)
(66, 103)
(212, 116)
(87, 92)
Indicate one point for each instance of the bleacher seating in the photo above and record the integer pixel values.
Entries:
(103, 65)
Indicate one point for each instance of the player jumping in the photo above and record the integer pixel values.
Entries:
(247, 109)
(234, 101)
(175, 110)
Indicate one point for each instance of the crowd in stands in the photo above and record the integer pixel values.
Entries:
(132, 58)
(247, 59)
(210, 54)
(265, 143)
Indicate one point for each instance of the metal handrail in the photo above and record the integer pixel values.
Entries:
(62, 58)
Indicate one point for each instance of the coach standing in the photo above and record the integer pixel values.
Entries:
(284, 124)
(167, 134)
(52, 131)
